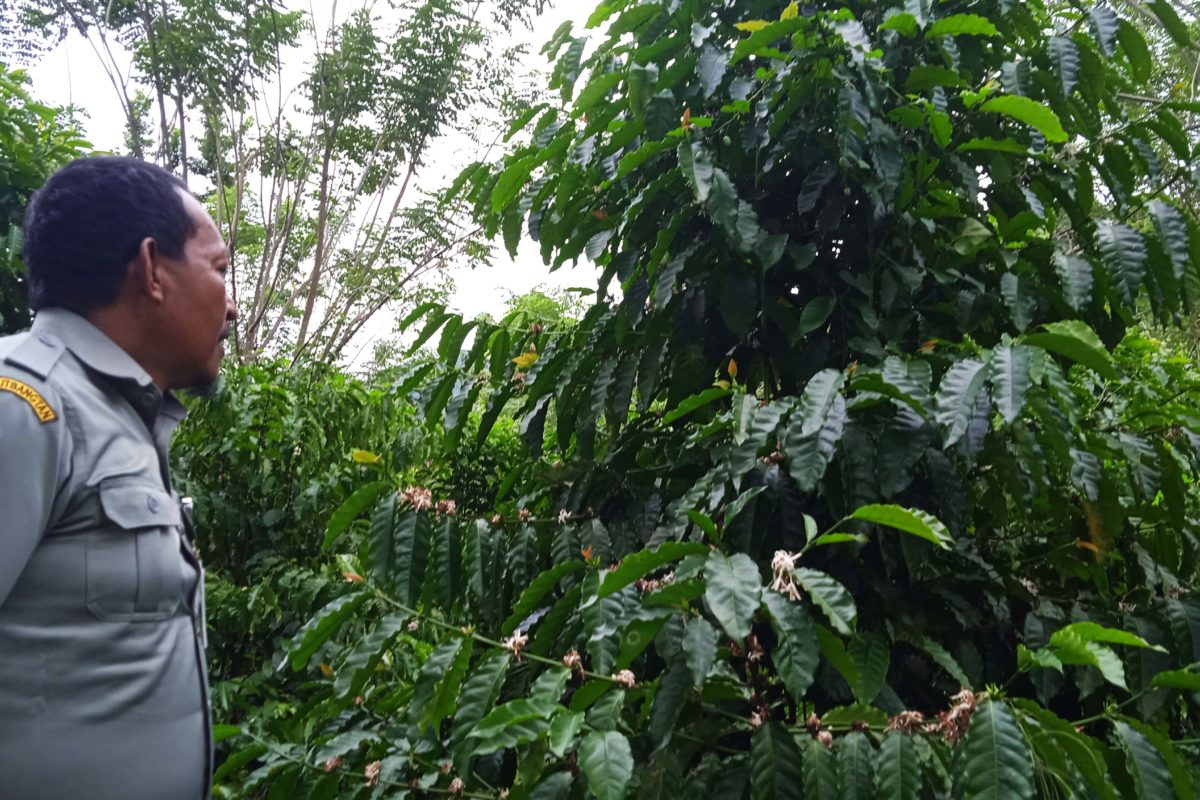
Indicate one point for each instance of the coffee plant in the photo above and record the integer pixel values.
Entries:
(861, 477)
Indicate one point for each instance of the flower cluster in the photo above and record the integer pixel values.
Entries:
(906, 722)
(653, 585)
(447, 508)
(515, 643)
(953, 723)
(625, 678)
(783, 578)
(371, 773)
(418, 497)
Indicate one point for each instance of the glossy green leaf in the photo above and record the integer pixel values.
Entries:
(995, 763)
(594, 92)
(695, 402)
(903, 23)
(318, 630)
(855, 767)
(427, 707)
(1171, 22)
(961, 25)
(639, 565)
(1011, 379)
(1124, 253)
(816, 401)
(362, 499)
(512, 181)
(1075, 340)
(697, 167)
(820, 772)
(447, 675)
(699, 648)
(564, 730)
(1075, 273)
(829, 596)
(479, 693)
(516, 722)
(1179, 769)
(1105, 23)
(1150, 776)
(956, 398)
(775, 764)
(1030, 112)
(607, 761)
(1064, 53)
(536, 591)
(872, 656)
(1172, 231)
(909, 520)
(734, 592)
(669, 697)
(898, 768)
(1185, 679)
(797, 653)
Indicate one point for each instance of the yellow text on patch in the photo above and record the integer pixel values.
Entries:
(30, 395)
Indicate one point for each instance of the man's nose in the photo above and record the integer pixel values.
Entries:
(230, 308)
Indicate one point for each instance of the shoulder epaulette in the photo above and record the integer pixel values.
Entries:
(37, 354)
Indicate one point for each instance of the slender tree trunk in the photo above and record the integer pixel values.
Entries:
(314, 278)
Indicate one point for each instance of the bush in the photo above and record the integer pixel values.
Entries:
(865, 483)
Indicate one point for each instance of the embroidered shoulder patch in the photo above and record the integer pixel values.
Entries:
(30, 395)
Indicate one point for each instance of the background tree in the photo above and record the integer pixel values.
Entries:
(315, 183)
(35, 140)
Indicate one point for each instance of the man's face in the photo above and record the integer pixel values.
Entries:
(198, 312)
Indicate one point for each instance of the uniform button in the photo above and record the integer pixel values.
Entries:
(152, 504)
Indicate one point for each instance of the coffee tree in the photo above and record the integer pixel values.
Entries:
(858, 479)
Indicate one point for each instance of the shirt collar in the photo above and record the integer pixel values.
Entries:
(90, 345)
(97, 351)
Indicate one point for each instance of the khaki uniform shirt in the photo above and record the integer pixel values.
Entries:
(103, 691)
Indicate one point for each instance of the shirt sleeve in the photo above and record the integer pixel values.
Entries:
(34, 467)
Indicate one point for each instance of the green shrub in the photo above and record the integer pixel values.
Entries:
(864, 484)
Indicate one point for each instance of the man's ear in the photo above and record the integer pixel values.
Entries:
(145, 271)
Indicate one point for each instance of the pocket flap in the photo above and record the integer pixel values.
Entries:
(138, 505)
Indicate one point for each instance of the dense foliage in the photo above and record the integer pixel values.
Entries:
(858, 479)
(266, 461)
(35, 140)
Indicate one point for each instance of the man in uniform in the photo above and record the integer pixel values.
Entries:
(103, 691)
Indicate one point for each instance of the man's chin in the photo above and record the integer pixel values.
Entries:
(206, 388)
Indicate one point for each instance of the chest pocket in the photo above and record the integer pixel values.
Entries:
(133, 558)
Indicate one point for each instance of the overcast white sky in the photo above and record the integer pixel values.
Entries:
(71, 74)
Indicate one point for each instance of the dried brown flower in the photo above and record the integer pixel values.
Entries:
(625, 678)
(333, 764)
(515, 643)
(372, 772)
(906, 722)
